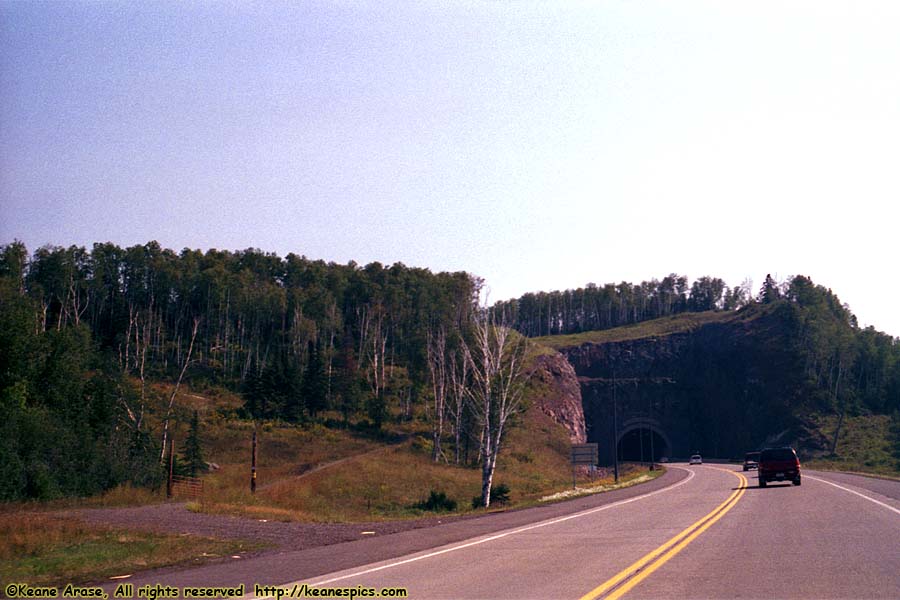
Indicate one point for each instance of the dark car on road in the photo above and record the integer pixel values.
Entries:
(778, 464)
(751, 460)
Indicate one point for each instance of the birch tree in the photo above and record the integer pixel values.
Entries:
(458, 380)
(436, 346)
(496, 357)
(187, 361)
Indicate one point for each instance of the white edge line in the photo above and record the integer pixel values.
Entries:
(498, 535)
(887, 506)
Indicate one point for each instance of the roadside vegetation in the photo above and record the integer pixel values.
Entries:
(866, 444)
(317, 474)
(43, 549)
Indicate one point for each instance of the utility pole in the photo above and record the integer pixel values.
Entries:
(169, 481)
(253, 464)
(650, 427)
(641, 438)
(615, 429)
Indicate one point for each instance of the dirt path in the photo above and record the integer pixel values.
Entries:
(174, 517)
(334, 463)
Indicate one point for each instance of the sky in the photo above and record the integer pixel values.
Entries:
(538, 145)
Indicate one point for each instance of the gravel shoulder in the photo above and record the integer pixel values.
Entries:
(176, 518)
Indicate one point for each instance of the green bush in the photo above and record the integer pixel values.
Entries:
(499, 495)
(438, 502)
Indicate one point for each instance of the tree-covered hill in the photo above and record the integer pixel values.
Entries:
(594, 307)
(834, 364)
(84, 334)
(726, 382)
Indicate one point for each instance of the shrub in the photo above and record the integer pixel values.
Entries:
(499, 495)
(438, 502)
(523, 457)
(422, 444)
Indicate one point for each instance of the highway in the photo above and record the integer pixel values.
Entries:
(726, 538)
(698, 532)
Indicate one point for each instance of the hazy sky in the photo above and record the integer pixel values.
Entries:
(538, 145)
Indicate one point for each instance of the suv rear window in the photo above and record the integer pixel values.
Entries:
(778, 454)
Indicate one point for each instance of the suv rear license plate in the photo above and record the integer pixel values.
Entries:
(779, 475)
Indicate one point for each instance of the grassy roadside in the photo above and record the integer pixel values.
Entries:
(42, 549)
(313, 473)
(323, 474)
(865, 445)
(632, 475)
(394, 481)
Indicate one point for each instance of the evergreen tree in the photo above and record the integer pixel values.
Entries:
(348, 385)
(315, 383)
(193, 454)
(253, 395)
(376, 409)
(769, 292)
(293, 407)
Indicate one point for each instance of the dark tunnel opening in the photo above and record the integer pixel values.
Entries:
(642, 445)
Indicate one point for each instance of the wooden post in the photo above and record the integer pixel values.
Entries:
(171, 467)
(253, 465)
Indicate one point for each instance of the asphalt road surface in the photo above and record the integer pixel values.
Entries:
(699, 532)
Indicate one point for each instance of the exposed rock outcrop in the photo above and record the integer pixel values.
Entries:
(559, 394)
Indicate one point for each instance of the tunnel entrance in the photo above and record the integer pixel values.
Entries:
(642, 444)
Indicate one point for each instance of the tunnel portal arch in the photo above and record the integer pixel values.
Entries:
(643, 440)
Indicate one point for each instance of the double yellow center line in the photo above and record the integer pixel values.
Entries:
(632, 575)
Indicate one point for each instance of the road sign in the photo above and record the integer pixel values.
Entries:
(584, 454)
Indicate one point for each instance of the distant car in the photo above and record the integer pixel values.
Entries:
(696, 460)
(778, 464)
(751, 461)
(663, 459)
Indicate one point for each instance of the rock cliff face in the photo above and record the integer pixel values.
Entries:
(559, 393)
(720, 389)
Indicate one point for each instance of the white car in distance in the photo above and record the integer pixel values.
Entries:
(695, 460)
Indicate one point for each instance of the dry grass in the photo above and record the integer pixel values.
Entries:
(372, 486)
(366, 480)
(43, 549)
(390, 482)
(284, 453)
(664, 326)
(123, 495)
(126, 495)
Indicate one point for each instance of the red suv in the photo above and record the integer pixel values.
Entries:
(778, 464)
